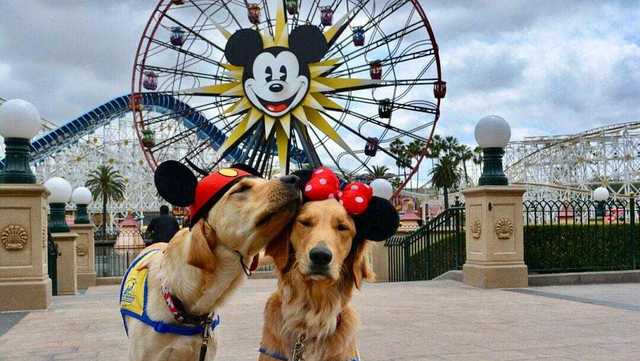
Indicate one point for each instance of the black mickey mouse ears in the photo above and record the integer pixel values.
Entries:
(175, 183)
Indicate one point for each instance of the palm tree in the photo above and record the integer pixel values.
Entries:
(379, 171)
(108, 184)
(397, 147)
(415, 150)
(445, 176)
(464, 154)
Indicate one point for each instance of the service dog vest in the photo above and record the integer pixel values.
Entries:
(133, 301)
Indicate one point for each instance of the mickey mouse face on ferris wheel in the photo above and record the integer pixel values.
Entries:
(276, 79)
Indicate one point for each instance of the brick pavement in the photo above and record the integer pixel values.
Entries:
(417, 321)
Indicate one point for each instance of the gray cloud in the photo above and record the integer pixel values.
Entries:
(547, 66)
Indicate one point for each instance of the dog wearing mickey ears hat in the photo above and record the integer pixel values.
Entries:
(170, 292)
(321, 259)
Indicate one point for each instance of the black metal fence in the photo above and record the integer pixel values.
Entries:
(580, 235)
(435, 248)
(115, 251)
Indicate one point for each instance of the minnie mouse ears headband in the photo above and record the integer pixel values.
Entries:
(177, 184)
(376, 218)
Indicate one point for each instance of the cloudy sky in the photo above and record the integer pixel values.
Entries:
(548, 67)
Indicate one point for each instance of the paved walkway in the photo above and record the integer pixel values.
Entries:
(417, 321)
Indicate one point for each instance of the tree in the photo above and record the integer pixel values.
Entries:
(398, 148)
(108, 184)
(379, 171)
(445, 176)
(464, 154)
(415, 150)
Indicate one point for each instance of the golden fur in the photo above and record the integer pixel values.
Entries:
(308, 302)
(201, 268)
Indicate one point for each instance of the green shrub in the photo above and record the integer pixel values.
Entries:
(580, 247)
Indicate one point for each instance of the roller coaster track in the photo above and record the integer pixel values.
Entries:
(558, 140)
(59, 138)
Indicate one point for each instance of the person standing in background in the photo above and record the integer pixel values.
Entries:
(162, 228)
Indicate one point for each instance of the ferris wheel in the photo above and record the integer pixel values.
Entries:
(287, 84)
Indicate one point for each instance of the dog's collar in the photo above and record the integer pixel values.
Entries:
(176, 307)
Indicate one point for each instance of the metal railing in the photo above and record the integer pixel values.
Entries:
(113, 258)
(435, 248)
(580, 235)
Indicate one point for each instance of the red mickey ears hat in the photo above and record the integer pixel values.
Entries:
(180, 187)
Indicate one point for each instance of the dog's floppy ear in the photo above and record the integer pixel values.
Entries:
(308, 43)
(203, 242)
(175, 183)
(360, 267)
(280, 250)
(379, 222)
(243, 47)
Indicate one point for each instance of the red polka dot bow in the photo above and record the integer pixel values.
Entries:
(324, 184)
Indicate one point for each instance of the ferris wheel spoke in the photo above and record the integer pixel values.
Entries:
(431, 108)
(324, 146)
(189, 73)
(355, 132)
(267, 15)
(194, 33)
(307, 145)
(175, 139)
(371, 23)
(384, 62)
(186, 112)
(224, 3)
(384, 125)
(186, 52)
(384, 84)
(312, 11)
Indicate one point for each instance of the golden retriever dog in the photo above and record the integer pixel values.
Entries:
(200, 267)
(320, 260)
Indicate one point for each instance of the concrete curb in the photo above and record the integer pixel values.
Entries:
(108, 281)
(583, 278)
(564, 279)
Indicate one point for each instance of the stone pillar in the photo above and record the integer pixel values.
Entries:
(379, 260)
(85, 255)
(494, 237)
(67, 269)
(24, 280)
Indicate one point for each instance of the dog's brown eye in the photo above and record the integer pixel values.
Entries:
(343, 227)
(305, 223)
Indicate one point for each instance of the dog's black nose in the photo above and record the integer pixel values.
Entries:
(276, 88)
(320, 255)
(290, 179)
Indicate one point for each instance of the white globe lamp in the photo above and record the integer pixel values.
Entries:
(19, 122)
(60, 193)
(81, 196)
(382, 188)
(492, 134)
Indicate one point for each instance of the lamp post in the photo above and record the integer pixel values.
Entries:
(81, 197)
(600, 195)
(60, 191)
(19, 122)
(492, 134)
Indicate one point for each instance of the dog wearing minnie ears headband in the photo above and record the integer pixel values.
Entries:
(320, 261)
(170, 292)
